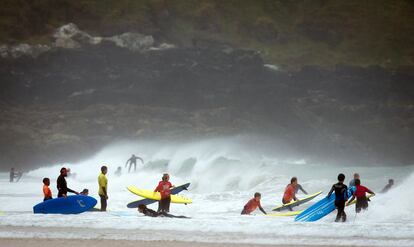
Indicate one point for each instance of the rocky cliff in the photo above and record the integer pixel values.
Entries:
(66, 100)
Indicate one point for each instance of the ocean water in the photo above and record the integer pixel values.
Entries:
(224, 174)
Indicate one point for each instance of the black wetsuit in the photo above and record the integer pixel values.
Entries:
(386, 188)
(12, 176)
(341, 197)
(62, 186)
(152, 213)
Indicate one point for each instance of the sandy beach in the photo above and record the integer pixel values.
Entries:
(12, 236)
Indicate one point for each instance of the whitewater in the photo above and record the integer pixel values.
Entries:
(224, 174)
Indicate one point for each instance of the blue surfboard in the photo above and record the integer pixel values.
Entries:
(320, 209)
(174, 191)
(69, 205)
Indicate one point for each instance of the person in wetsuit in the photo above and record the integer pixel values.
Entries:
(388, 186)
(12, 175)
(253, 204)
(133, 161)
(341, 196)
(151, 213)
(62, 185)
(361, 197)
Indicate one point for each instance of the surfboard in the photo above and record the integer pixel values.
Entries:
(321, 208)
(290, 213)
(149, 194)
(174, 191)
(70, 205)
(289, 206)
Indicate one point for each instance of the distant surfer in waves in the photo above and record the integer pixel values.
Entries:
(12, 175)
(164, 187)
(15, 175)
(341, 197)
(151, 213)
(62, 185)
(388, 186)
(133, 161)
(253, 204)
(361, 197)
(290, 192)
(118, 171)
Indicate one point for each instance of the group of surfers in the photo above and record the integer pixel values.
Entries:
(341, 196)
(164, 188)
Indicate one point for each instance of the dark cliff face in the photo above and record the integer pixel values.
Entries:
(68, 103)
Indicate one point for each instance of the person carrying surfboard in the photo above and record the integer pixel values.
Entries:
(46, 190)
(62, 185)
(253, 204)
(361, 197)
(164, 187)
(341, 197)
(133, 161)
(290, 191)
(103, 187)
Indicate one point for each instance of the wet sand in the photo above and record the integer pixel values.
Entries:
(12, 236)
(33, 242)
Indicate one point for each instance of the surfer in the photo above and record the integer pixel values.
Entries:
(164, 187)
(46, 190)
(290, 192)
(12, 175)
(360, 195)
(253, 204)
(62, 185)
(103, 187)
(388, 186)
(341, 197)
(118, 171)
(133, 161)
(151, 213)
(352, 182)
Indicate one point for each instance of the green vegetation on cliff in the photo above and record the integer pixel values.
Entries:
(288, 33)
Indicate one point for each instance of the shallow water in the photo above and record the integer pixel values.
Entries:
(224, 174)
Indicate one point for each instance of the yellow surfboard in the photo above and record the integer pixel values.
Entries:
(290, 213)
(149, 194)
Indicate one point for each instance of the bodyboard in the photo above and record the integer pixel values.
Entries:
(69, 205)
